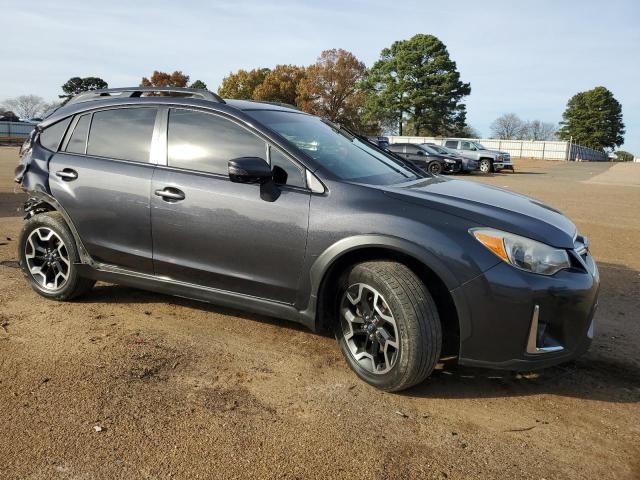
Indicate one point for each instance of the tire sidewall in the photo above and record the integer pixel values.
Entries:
(54, 222)
(488, 166)
(437, 166)
(385, 381)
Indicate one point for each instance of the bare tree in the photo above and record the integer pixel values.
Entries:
(507, 126)
(26, 106)
(538, 130)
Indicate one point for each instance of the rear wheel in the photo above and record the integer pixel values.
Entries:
(389, 330)
(48, 255)
(484, 165)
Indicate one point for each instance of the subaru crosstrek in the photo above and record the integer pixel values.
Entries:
(261, 207)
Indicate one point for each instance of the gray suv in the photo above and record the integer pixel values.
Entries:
(264, 208)
(488, 160)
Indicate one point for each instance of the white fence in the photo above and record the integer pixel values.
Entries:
(547, 150)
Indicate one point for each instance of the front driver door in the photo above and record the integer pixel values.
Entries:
(211, 232)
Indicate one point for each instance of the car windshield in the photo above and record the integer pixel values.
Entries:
(438, 149)
(479, 146)
(344, 155)
(428, 149)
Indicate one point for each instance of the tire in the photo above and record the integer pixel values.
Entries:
(61, 281)
(484, 166)
(408, 316)
(434, 168)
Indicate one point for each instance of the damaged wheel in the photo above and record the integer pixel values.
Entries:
(48, 257)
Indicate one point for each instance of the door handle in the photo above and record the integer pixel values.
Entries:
(67, 174)
(170, 194)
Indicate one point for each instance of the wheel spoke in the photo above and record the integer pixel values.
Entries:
(47, 258)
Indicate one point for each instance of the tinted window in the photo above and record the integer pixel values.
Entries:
(413, 149)
(396, 148)
(51, 136)
(206, 142)
(451, 144)
(78, 141)
(122, 133)
(294, 173)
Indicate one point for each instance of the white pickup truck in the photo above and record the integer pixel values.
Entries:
(488, 160)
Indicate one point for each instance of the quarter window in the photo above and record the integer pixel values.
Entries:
(78, 141)
(51, 136)
(206, 142)
(286, 172)
(123, 134)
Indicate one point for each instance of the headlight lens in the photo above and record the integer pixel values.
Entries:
(522, 252)
(448, 160)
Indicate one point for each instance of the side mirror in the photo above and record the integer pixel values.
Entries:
(249, 170)
(420, 152)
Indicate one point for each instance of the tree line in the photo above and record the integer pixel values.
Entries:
(413, 88)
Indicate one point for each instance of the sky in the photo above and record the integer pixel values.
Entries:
(528, 58)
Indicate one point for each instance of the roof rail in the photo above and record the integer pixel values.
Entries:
(134, 92)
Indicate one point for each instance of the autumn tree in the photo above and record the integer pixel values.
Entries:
(76, 85)
(416, 81)
(164, 79)
(593, 119)
(331, 90)
(280, 85)
(242, 84)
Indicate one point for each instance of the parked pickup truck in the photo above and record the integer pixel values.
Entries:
(488, 160)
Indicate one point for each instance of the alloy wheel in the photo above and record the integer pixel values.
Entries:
(485, 166)
(369, 329)
(47, 259)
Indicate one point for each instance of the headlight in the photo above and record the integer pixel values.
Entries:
(448, 160)
(522, 252)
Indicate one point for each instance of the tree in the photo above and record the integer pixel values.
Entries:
(507, 126)
(8, 116)
(416, 80)
(593, 119)
(26, 106)
(198, 84)
(624, 156)
(76, 85)
(537, 130)
(164, 79)
(330, 88)
(242, 83)
(280, 84)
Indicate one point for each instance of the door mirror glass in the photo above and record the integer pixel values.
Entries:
(249, 170)
(420, 152)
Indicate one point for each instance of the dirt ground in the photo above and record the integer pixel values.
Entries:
(188, 390)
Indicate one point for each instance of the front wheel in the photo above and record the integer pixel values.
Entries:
(485, 166)
(389, 330)
(48, 257)
(435, 168)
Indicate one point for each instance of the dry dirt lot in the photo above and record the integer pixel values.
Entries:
(189, 390)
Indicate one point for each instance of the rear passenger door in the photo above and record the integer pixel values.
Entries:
(214, 233)
(102, 177)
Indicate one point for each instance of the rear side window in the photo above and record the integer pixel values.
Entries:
(123, 134)
(78, 141)
(51, 136)
(205, 142)
(451, 144)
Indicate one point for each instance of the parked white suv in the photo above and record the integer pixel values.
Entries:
(488, 160)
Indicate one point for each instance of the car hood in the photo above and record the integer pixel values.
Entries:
(489, 207)
(493, 152)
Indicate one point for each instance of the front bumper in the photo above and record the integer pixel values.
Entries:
(452, 167)
(516, 320)
(503, 165)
